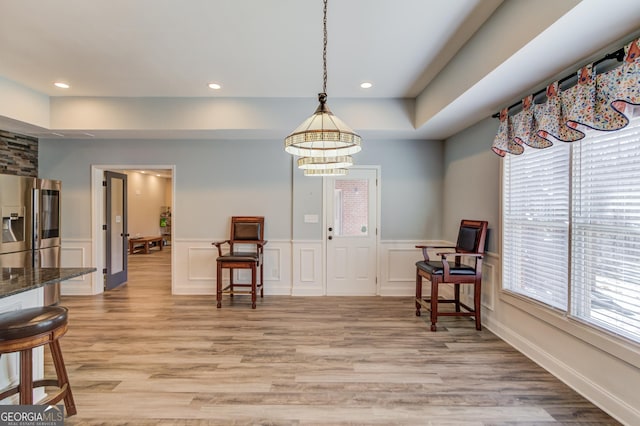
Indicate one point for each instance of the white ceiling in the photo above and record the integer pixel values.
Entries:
(273, 49)
(254, 48)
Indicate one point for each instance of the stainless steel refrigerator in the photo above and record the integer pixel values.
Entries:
(30, 209)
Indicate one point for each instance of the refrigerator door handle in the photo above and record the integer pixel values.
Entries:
(36, 218)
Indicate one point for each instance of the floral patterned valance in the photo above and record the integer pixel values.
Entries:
(605, 101)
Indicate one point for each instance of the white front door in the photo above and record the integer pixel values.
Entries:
(351, 233)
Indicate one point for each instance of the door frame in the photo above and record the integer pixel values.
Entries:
(377, 169)
(98, 205)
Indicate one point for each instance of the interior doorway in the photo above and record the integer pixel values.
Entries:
(150, 212)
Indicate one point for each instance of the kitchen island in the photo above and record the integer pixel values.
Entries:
(19, 280)
(22, 288)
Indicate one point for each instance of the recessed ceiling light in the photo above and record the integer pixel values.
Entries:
(366, 85)
(215, 86)
(61, 85)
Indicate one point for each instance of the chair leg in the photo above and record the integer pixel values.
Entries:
(456, 294)
(219, 285)
(63, 378)
(26, 377)
(477, 293)
(231, 283)
(418, 292)
(253, 286)
(434, 303)
(261, 280)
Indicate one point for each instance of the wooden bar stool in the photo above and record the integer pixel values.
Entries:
(26, 329)
(245, 231)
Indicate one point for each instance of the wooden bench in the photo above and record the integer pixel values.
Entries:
(143, 244)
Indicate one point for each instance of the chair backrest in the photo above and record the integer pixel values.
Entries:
(246, 229)
(471, 236)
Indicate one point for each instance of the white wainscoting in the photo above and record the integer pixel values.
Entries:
(308, 272)
(290, 268)
(398, 271)
(490, 265)
(76, 253)
(194, 269)
(398, 266)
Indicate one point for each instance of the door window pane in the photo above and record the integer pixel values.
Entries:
(351, 207)
(117, 225)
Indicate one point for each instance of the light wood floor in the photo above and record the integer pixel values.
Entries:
(139, 356)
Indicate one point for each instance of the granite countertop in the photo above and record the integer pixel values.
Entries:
(18, 280)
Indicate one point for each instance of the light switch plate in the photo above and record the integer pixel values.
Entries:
(310, 218)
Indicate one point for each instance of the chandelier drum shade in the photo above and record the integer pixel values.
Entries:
(323, 163)
(323, 142)
(326, 172)
(322, 135)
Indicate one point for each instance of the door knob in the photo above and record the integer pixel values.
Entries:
(330, 229)
(330, 237)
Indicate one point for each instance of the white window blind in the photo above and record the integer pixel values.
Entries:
(605, 288)
(536, 224)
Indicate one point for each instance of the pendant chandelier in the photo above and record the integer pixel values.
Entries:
(323, 142)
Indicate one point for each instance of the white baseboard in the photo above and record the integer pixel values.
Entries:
(599, 396)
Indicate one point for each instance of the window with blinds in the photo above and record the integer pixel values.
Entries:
(571, 217)
(605, 264)
(536, 224)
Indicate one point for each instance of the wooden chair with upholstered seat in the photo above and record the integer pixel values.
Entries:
(450, 269)
(246, 245)
(26, 329)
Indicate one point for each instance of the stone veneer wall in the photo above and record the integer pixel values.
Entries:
(18, 154)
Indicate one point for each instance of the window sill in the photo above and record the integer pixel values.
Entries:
(612, 344)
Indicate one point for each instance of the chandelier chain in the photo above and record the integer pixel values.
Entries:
(323, 142)
(324, 49)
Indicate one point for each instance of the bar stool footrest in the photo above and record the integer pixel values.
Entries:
(56, 397)
(7, 393)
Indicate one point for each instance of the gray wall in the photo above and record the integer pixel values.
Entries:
(411, 190)
(217, 179)
(213, 181)
(472, 181)
(411, 187)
